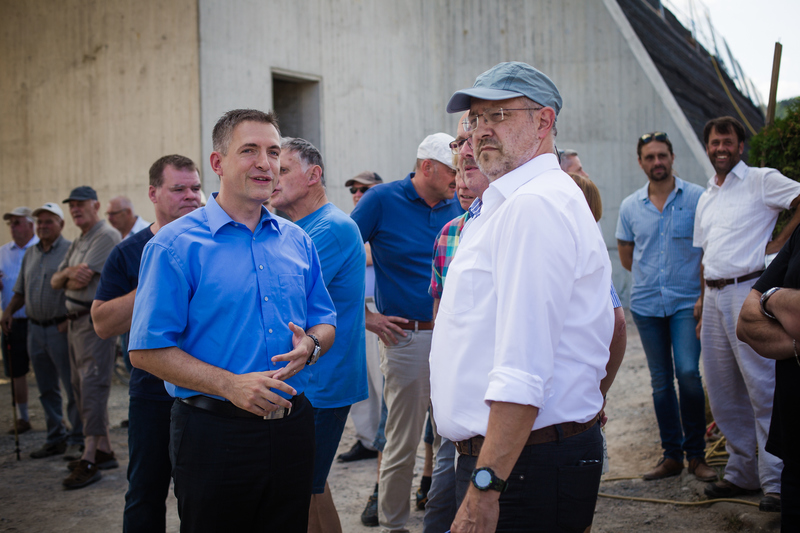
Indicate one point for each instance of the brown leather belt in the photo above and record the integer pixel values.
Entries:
(229, 410)
(414, 325)
(79, 314)
(540, 436)
(722, 283)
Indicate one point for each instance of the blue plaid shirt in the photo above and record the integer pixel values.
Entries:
(666, 267)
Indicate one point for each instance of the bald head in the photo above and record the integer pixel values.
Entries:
(120, 214)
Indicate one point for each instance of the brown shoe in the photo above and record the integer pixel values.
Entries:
(701, 470)
(85, 474)
(666, 467)
(22, 426)
(103, 460)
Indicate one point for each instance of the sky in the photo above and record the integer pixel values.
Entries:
(751, 30)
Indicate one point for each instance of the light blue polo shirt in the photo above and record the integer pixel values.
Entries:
(340, 376)
(225, 294)
(666, 267)
(401, 229)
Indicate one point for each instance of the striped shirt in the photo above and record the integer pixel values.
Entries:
(666, 267)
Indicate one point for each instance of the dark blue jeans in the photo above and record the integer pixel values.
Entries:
(553, 486)
(149, 467)
(673, 350)
(242, 474)
(328, 428)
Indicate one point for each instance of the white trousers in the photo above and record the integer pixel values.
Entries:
(741, 385)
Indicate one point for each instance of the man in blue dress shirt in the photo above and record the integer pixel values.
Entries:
(340, 380)
(654, 236)
(225, 297)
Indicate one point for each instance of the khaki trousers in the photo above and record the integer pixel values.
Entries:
(91, 362)
(407, 393)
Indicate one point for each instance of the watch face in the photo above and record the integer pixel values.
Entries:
(483, 478)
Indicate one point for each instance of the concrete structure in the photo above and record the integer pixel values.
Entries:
(97, 98)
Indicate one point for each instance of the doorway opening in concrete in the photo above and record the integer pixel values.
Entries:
(297, 101)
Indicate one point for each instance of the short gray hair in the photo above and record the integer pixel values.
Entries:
(309, 155)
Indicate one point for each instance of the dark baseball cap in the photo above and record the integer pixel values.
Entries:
(508, 80)
(81, 193)
(365, 178)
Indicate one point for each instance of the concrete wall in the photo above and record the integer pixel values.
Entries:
(91, 94)
(387, 69)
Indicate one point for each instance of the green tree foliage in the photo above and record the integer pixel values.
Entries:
(778, 146)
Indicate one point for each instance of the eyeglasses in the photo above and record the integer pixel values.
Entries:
(115, 213)
(493, 116)
(362, 190)
(659, 136)
(456, 145)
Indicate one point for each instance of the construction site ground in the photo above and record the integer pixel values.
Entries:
(33, 500)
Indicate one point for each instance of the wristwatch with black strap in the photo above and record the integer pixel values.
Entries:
(314, 357)
(485, 479)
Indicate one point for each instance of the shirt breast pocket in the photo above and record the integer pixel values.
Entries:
(682, 224)
(458, 296)
(293, 298)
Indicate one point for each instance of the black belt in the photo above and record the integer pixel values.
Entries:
(48, 323)
(79, 314)
(722, 283)
(229, 410)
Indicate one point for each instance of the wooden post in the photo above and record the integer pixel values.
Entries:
(773, 86)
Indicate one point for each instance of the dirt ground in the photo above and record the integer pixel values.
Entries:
(32, 499)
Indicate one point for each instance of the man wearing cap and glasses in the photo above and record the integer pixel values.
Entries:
(733, 225)
(47, 331)
(400, 220)
(15, 333)
(91, 358)
(523, 329)
(654, 238)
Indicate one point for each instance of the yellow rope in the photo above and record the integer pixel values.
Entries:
(673, 502)
(730, 96)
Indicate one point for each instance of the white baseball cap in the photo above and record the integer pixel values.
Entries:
(437, 147)
(50, 207)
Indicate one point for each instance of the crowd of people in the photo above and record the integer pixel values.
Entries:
(475, 295)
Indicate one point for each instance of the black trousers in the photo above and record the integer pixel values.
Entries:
(553, 486)
(242, 474)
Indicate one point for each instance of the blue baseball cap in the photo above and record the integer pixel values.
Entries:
(509, 80)
(81, 193)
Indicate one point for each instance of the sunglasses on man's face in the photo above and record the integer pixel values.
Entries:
(362, 190)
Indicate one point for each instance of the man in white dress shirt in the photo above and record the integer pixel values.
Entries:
(733, 224)
(522, 334)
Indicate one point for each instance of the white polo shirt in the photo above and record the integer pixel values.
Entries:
(734, 222)
(525, 316)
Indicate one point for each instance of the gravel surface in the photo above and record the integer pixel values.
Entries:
(32, 499)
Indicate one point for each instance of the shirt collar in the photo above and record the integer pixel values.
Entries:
(643, 194)
(739, 170)
(34, 240)
(217, 217)
(507, 184)
(475, 207)
(53, 246)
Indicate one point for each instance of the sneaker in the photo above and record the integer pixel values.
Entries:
(73, 453)
(370, 515)
(725, 489)
(85, 474)
(770, 503)
(357, 453)
(48, 450)
(22, 426)
(103, 460)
